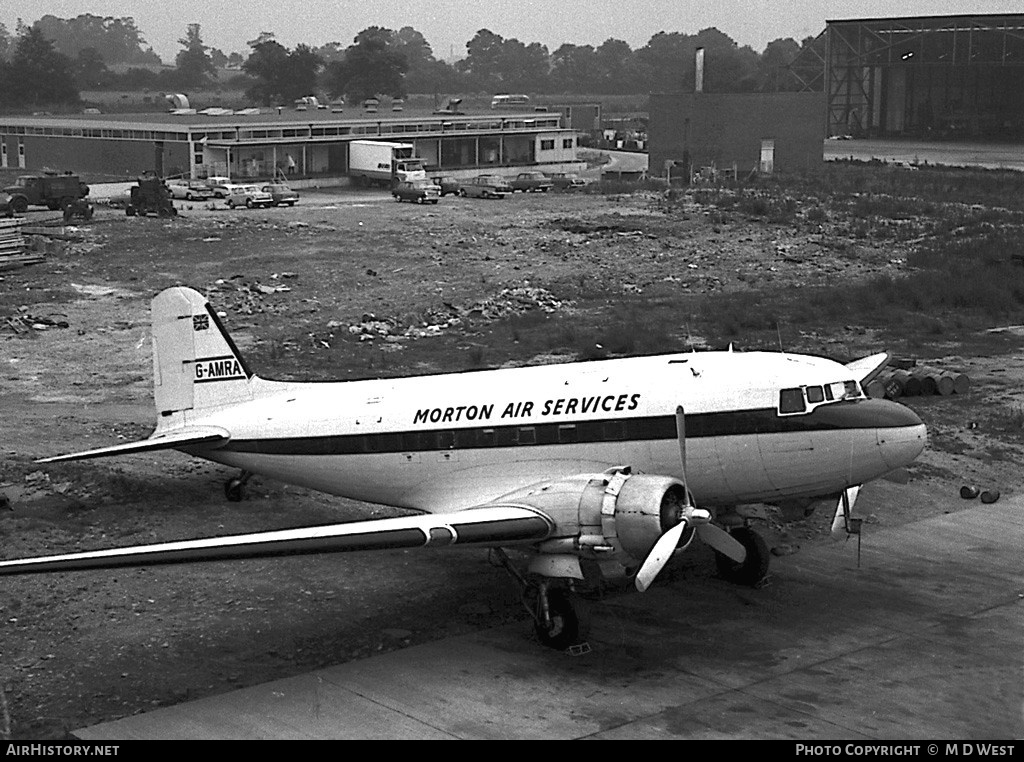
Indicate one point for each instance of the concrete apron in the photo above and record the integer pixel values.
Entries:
(925, 640)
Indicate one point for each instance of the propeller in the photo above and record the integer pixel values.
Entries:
(844, 510)
(687, 515)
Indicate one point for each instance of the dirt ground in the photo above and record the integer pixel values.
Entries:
(349, 285)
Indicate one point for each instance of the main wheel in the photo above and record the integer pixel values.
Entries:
(234, 489)
(754, 567)
(249, 203)
(569, 620)
(19, 204)
(231, 204)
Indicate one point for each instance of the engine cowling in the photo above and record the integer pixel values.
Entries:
(607, 516)
(646, 507)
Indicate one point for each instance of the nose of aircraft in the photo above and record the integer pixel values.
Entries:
(901, 433)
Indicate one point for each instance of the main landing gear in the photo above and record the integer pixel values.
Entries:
(754, 567)
(234, 488)
(560, 617)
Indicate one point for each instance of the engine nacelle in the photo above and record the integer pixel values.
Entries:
(607, 516)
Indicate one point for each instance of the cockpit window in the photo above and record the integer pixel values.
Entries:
(791, 401)
(803, 399)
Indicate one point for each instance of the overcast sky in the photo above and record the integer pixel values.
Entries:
(449, 24)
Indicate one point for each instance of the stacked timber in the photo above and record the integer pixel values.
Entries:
(13, 252)
(919, 380)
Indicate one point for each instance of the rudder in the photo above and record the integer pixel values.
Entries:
(196, 365)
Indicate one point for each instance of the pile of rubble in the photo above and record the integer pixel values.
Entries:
(514, 300)
(236, 296)
(24, 322)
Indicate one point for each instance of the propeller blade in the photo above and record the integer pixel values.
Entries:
(723, 542)
(659, 556)
(844, 510)
(681, 436)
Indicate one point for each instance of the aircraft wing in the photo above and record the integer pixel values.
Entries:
(866, 368)
(211, 436)
(487, 525)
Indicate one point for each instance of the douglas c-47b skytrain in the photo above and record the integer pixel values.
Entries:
(620, 463)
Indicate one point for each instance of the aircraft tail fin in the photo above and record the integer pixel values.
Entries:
(196, 365)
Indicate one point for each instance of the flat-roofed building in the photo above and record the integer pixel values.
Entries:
(305, 143)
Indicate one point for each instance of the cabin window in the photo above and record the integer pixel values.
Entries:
(567, 434)
(527, 435)
(614, 430)
(414, 440)
(486, 437)
(506, 436)
(791, 401)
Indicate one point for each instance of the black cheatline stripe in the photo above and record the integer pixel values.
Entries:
(859, 414)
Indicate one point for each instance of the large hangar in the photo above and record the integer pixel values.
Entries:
(930, 78)
(933, 77)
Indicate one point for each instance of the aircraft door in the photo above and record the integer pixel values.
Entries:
(788, 458)
(742, 462)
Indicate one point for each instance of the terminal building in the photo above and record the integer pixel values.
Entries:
(259, 143)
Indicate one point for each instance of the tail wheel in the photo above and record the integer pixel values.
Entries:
(754, 568)
(567, 622)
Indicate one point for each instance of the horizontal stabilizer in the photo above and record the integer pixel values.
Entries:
(210, 436)
(866, 368)
(489, 525)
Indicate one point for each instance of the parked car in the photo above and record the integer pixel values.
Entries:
(532, 181)
(190, 190)
(420, 191)
(447, 185)
(250, 196)
(567, 180)
(282, 194)
(486, 186)
(220, 186)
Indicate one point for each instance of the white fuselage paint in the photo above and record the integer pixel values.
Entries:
(721, 469)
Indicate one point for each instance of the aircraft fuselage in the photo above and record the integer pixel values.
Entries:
(446, 442)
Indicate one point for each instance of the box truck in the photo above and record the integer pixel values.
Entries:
(378, 162)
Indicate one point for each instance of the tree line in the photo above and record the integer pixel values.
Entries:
(52, 60)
